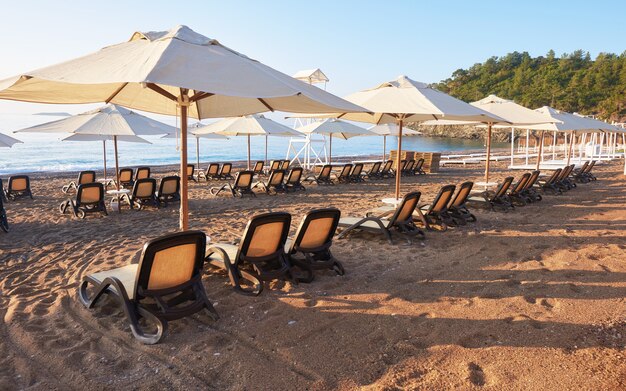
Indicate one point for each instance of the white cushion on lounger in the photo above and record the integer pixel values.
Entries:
(126, 274)
(230, 249)
(348, 221)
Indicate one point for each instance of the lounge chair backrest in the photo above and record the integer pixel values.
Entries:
(126, 175)
(19, 183)
(258, 167)
(170, 261)
(387, 166)
(404, 211)
(357, 169)
(169, 185)
(226, 168)
(294, 176)
(275, 165)
(442, 199)
(265, 235)
(521, 184)
(345, 171)
(90, 193)
(86, 177)
(375, 168)
(418, 164)
(590, 166)
(554, 175)
(316, 229)
(276, 178)
(402, 164)
(564, 173)
(285, 165)
(325, 172)
(461, 196)
(213, 169)
(532, 180)
(142, 173)
(584, 167)
(409, 165)
(503, 188)
(190, 169)
(243, 179)
(144, 187)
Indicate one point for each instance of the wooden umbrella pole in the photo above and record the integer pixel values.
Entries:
(540, 156)
(384, 147)
(117, 164)
(265, 163)
(488, 152)
(183, 104)
(198, 153)
(398, 155)
(104, 155)
(571, 144)
(330, 150)
(248, 151)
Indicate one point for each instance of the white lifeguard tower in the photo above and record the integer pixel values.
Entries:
(310, 150)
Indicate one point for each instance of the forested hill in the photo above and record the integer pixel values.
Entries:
(573, 82)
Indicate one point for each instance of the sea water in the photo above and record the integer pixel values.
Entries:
(46, 152)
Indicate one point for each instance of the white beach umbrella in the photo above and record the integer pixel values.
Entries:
(192, 129)
(7, 141)
(334, 128)
(110, 122)
(404, 100)
(173, 72)
(249, 125)
(390, 130)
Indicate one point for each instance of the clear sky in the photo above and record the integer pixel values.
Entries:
(358, 44)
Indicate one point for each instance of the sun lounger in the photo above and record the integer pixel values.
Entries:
(18, 186)
(225, 171)
(89, 199)
(374, 171)
(169, 190)
(402, 165)
(126, 177)
(355, 174)
(497, 199)
(258, 167)
(293, 182)
(458, 206)
(274, 165)
(516, 192)
(165, 285)
(408, 168)
(583, 174)
(386, 171)
(309, 249)
(323, 178)
(4, 222)
(191, 170)
(284, 165)
(142, 173)
(260, 255)
(211, 173)
(344, 174)
(418, 167)
(241, 186)
(564, 182)
(83, 177)
(436, 213)
(529, 190)
(550, 182)
(2, 191)
(274, 184)
(401, 221)
(143, 193)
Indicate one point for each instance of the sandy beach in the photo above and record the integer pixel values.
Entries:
(532, 299)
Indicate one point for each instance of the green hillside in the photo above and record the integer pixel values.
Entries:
(573, 82)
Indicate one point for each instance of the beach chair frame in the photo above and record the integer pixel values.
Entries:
(258, 167)
(142, 172)
(387, 170)
(344, 174)
(80, 206)
(126, 176)
(242, 185)
(226, 171)
(323, 177)
(550, 182)
(87, 176)
(165, 194)
(497, 199)
(355, 173)
(418, 168)
(18, 187)
(294, 180)
(156, 305)
(274, 183)
(374, 171)
(140, 197)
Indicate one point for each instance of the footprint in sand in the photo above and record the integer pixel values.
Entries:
(549, 303)
(476, 374)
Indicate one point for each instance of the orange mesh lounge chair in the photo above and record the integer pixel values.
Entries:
(83, 177)
(225, 171)
(355, 174)
(516, 192)
(458, 206)
(494, 199)
(211, 173)
(529, 190)
(344, 174)
(293, 182)
(417, 169)
(142, 173)
(401, 221)
(260, 255)
(386, 171)
(323, 178)
(374, 171)
(144, 193)
(284, 165)
(241, 186)
(258, 168)
(18, 186)
(191, 170)
(437, 211)
(89, 199)
(408, 168)
(309, 249)
(274, 184)
(550, 182)
(274, 165)
(126, 177)
(165, 285)
(169, 190)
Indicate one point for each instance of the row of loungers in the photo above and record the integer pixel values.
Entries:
(166, 283)
(217, 171)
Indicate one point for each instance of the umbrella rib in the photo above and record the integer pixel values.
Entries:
(117, 91)
(161, 91)
(266, 105)
(200, 95)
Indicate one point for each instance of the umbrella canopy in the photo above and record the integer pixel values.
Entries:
(561, 121)
(7, 141)
(110, 122)
(404, 100)
(171, 72)
(390, 130)
(334, 128)
(249, 125)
